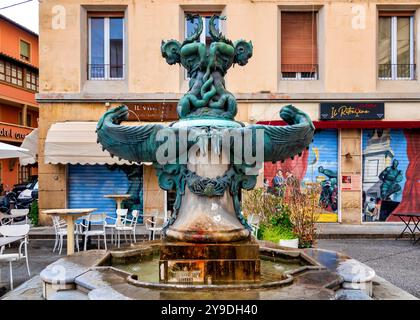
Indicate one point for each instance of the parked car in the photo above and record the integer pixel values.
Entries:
(19, 187)
(34, 193)
(27, 196)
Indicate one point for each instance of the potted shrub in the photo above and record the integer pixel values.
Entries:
(304, 213)
(284, 236)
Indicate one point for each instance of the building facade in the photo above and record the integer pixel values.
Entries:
(19, 111)
(350, 65)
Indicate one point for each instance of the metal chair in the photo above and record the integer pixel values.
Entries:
(122, 213)
(128, 225)
(15, 231)
(155, 224)
(254, 222)
(60, 229)
(17, 213)
(95, 220)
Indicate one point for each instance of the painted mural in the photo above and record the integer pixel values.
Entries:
(391, 171)
(317, 165)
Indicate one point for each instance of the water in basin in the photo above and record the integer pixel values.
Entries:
(147, 270)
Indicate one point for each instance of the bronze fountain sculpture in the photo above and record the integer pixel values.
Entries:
(207, 230)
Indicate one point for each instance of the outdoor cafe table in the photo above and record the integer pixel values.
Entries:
(119, 199)
(408, 218)
(70, 215)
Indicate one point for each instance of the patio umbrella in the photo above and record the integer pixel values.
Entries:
(31, 143)
(10, 151)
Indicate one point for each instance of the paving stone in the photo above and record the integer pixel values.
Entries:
(69, 295)
(106, 293)
(29, 290)
(65, 270)
(98, 278)
(348, 294)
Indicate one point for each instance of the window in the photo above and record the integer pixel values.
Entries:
(299, 46)
(24, 173)
(25, 49)
(205, 35)
(11, 73)
(31, 80)
(106, 46)
(396, 46)
(19, 76)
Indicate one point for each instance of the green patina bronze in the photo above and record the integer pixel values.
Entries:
(207, 110)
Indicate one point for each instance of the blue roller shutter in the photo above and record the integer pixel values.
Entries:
(87, 185)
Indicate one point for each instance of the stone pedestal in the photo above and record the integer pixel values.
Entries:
(220, 263)
(203, 219)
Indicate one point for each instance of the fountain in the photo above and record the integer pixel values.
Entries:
(207, 158)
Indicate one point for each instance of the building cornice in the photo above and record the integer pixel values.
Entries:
(241, 97)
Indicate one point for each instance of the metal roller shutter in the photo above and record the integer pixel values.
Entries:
(87, 185)
(323, 152)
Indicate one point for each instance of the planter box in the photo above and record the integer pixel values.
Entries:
(292, 243)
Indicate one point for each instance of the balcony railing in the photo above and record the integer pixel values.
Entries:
(397, 71)
(105, 71)
(299, 72)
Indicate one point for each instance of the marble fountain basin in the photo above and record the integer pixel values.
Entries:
(132, 273)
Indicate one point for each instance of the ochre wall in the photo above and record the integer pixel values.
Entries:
(52, 178)
(347, 47)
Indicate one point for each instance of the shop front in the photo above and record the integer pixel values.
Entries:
(90, 172)
(365, 159)
(391, 173)
(11, 172)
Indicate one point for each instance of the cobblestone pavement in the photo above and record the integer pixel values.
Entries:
(40, 255)
(396, 261)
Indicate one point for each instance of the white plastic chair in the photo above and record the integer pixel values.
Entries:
(123, 214)
(15, 231)
(17, 213)
(128, 225)
(155, 224)
(95, 220)
(60, 229)
(5, 219)
(254, 222)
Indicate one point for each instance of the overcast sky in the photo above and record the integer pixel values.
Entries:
(26, 14)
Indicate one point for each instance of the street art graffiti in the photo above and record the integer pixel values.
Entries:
(391, 171)
(317, 165)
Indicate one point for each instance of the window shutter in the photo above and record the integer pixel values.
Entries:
(396, 13)
(24, 48)
(105, 14)
(298, 41)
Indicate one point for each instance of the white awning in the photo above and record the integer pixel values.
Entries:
(75, 143)
(31, 143)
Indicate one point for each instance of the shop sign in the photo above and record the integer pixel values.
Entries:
(351, 182)
(11, 133)
(156, 111)
(352, 111)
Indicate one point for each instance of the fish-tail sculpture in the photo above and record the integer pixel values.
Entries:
(207, 206)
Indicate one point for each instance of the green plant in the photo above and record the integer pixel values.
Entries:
(305, 212)
(276, 233)
(33, 212)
